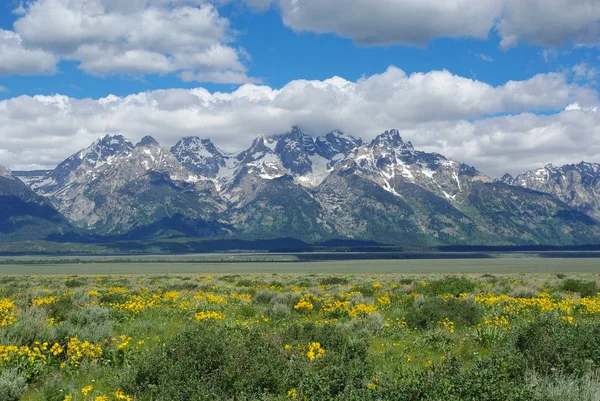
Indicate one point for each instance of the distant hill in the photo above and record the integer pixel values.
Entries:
(25, 215)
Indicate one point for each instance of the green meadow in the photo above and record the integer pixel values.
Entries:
(190, 329)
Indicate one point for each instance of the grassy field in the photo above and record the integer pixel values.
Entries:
(281, 336)
(179, 265)
(271, 327)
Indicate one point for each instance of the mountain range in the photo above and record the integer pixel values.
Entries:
(295, 186)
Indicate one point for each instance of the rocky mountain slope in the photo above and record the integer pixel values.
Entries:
(25, 215)
(116, 188)
(294, 185)
(578, 185)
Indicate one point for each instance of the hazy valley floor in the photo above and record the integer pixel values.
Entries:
(509, 263)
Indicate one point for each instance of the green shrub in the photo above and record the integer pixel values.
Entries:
(229, 278)
(12, 385)
(74, 283)
(213, 362)
(449, 285)
(89, 315)
(245, 283)
(182, 287)
(247, 311)
(113, 298)
(55, 390)
(427, 312)
(277, 311)
(495, 378)
(31, 326)
(564, 388)
(334, 280)
(209, 360)
(61, 308)
(264, 296)
(550, 345)
(583, 288)
(366, 289)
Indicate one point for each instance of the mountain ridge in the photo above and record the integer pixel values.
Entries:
(331, 187)
(578, 185)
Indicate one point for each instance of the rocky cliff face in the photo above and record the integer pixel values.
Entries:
(578, 185)
(292, 185)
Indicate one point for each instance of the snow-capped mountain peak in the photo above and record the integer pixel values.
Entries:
(295, 139)
(336, 145)
(392, 140)
(147, 141)
(578, 185)
(82, 166)
(4, 172)
(334, 186)
(259, 148)
(100, 152)
(390, 162)
(200, 156)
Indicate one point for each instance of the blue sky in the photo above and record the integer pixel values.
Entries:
(69, 51)
(280, 54)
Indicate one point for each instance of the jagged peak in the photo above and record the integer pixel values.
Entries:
(583, 165)
(110, 141)
(339, 135)
(111, 137)
(194, 140)
(507, 178)
(147, 141)
(256, 150)
(202, 147)
(389, 137)
(294, 132)
(102, 148)
(5, 172)
(589, 165)
(290, 140)
(260, 141)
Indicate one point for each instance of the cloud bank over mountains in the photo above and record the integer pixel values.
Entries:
(550, 117)
(515, 126)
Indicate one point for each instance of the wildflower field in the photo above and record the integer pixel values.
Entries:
(300, 337)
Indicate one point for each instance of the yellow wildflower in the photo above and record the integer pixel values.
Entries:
(7, 312)
(304, 305)
(86, 390)
(209, 315)
(119, 395)
(315, 351)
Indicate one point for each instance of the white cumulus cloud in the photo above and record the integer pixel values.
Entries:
(126, 37)
(492, 127)
(15, 59)
(549, 23)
